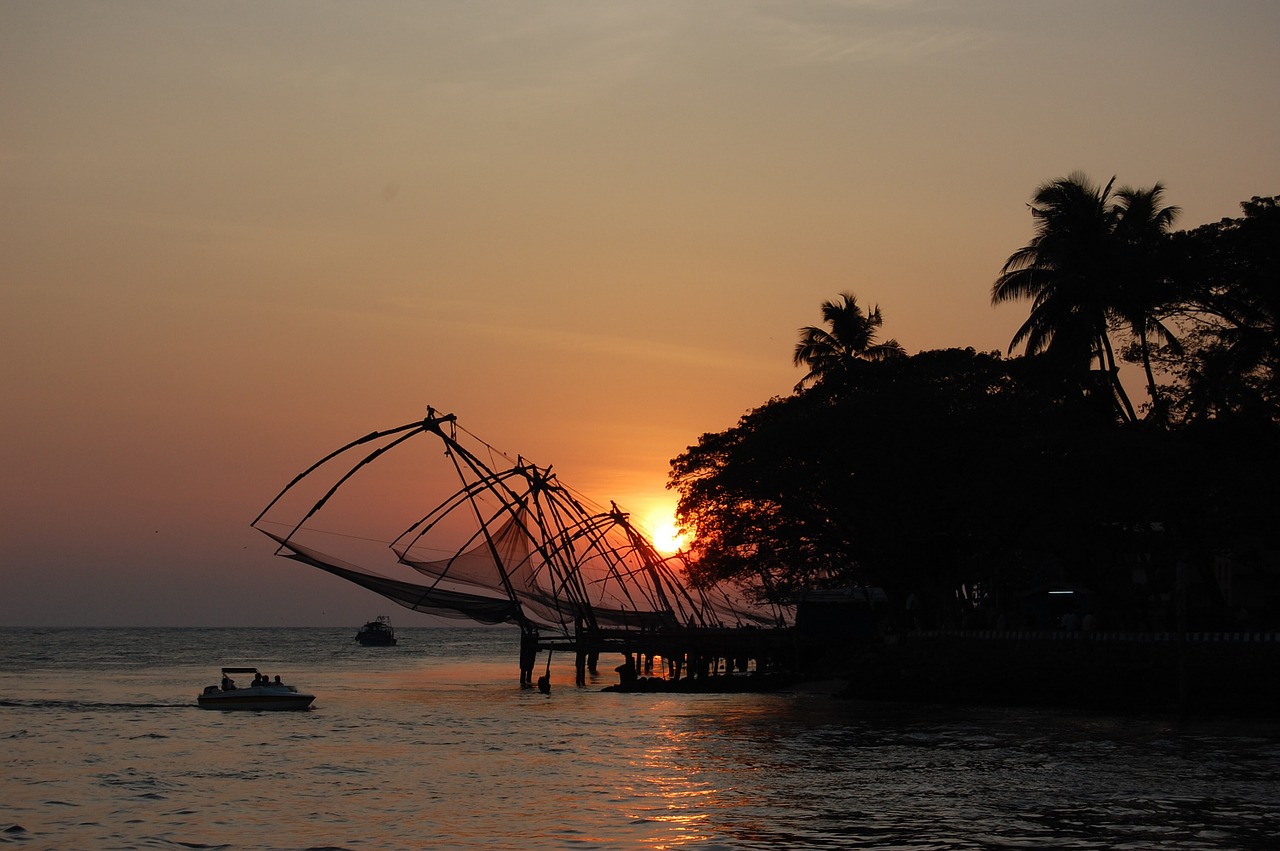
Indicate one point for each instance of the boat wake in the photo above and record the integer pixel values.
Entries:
(88, 705)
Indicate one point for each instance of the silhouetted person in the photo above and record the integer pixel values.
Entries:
(528, 656)
(627, 671)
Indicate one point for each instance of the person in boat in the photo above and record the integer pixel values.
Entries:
(276, 682)
(228, 684)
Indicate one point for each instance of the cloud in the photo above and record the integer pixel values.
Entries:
(865, 31)
(586, 344)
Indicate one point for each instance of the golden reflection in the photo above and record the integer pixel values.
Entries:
(684, 796)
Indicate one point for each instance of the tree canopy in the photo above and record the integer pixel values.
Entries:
(1095, 263)
(1227, 276)
(850, 336)
(970, 478)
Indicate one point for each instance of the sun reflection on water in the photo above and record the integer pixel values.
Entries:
(685, 798)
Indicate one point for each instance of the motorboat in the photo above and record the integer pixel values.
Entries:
(263, 694)
(377, 633)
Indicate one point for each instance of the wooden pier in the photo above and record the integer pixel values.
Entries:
(672, 656)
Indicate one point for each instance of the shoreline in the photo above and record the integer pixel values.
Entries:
(1196, 674)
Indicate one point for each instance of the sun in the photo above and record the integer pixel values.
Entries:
(667, 539)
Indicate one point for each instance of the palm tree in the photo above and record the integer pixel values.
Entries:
(1068, 270)
(1142, 228)
(851, 338)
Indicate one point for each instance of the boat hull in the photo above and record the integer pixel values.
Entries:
(256, 699)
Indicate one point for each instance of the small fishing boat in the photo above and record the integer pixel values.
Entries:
(377, 633)
(263, 694)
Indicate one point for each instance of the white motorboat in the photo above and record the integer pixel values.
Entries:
(262, 694)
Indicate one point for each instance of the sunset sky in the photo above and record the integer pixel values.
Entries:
(234, 236)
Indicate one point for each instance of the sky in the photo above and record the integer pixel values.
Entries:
(235, 236)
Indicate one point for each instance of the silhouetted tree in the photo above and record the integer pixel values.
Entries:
(1142, 288)
(1227, 275)
(1069, 271)
(909, 473)
(952, 468)
(850, 336)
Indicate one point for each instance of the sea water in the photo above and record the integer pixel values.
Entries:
(433, 744)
